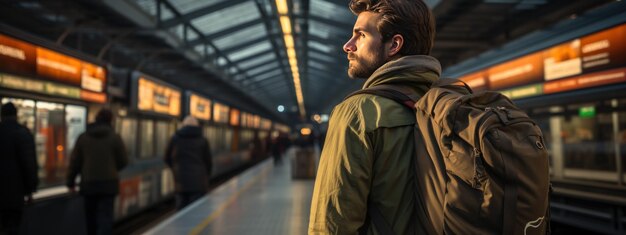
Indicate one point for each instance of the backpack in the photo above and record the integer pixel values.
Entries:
(481, 166)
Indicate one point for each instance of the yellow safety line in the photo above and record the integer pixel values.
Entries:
(196, 230)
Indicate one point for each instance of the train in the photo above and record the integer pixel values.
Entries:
(58, 91)
(570, 78)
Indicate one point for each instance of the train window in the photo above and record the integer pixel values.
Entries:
(146, 137)
(228, 138)
(50, 143)
(621, 138)
(588, 143)
(162, 137)
(25, 112)
(76, 121)
(127, 129)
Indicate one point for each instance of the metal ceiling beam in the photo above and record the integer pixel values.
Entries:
(200, 12)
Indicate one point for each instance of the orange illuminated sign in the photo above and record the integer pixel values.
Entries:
(17, 56)
(525, 70)
(584, 81)
(604, 50)
(58, 66)
(220, 113)
(154, 97)
(234, 117)
(200, 107)
(26, 59)
(477, 81)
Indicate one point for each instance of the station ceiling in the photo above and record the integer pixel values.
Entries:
(236, 50)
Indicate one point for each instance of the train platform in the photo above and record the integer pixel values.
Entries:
(265, 199)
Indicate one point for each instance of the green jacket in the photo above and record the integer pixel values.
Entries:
(366, 157)
(98, 155)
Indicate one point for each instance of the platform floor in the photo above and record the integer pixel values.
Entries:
(262, 200)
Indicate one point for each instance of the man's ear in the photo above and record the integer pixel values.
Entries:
(396, 43)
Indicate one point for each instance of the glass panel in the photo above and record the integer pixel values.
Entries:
(251, 50)
(76, 120)
(146, 139)
(127, 128)
(588, 142)
(321, 47)
(227, 18)
(621, 138)
(257, 61)
(50, 142)
(332, 11)
(228, 138)
(25, 112)
(186, 6)
(162, 136)
(241, 36)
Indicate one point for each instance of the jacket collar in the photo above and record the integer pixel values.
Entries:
(415, 70)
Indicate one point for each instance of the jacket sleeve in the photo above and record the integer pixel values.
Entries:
(28, 161)
(76, 162)
(342, 186)
(208, 157)
(121, 159)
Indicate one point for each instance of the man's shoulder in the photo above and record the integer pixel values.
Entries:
(374, 111)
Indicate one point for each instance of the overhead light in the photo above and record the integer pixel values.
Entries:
(280, 108)
(281, 5)
(285, 25)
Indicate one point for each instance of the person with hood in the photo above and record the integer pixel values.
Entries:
(189, 156)
(98, 155)
(18, 169)
(365, 165)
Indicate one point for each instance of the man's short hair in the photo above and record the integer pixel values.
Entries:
(410, 18)
(8, 110)
(104, 116)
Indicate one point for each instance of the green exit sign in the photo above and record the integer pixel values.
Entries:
(587, 112)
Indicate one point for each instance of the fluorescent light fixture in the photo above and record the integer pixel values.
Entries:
(285, 23)
(281, 5)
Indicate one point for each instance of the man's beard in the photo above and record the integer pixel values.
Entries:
(360, 68)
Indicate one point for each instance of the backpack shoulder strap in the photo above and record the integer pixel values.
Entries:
(395, 93)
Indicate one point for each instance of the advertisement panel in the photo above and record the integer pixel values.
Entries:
(58, 66)
(585, 81)
(562, 60)
(156, 97)
(93, 77)
(477, 81)
(199, 107)
(234, 117)
(220, 113)
(604, 50)
(17, 56)
(25, 59)
(522, 71)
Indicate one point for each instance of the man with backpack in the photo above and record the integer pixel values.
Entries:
(414, 154)
(365, 165)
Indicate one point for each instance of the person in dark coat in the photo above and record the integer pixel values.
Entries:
(189, 156)
(98, 155)
(18, 169)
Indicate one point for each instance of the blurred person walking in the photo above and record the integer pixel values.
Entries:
(99, 154)
(189, 156)
(18, 169)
